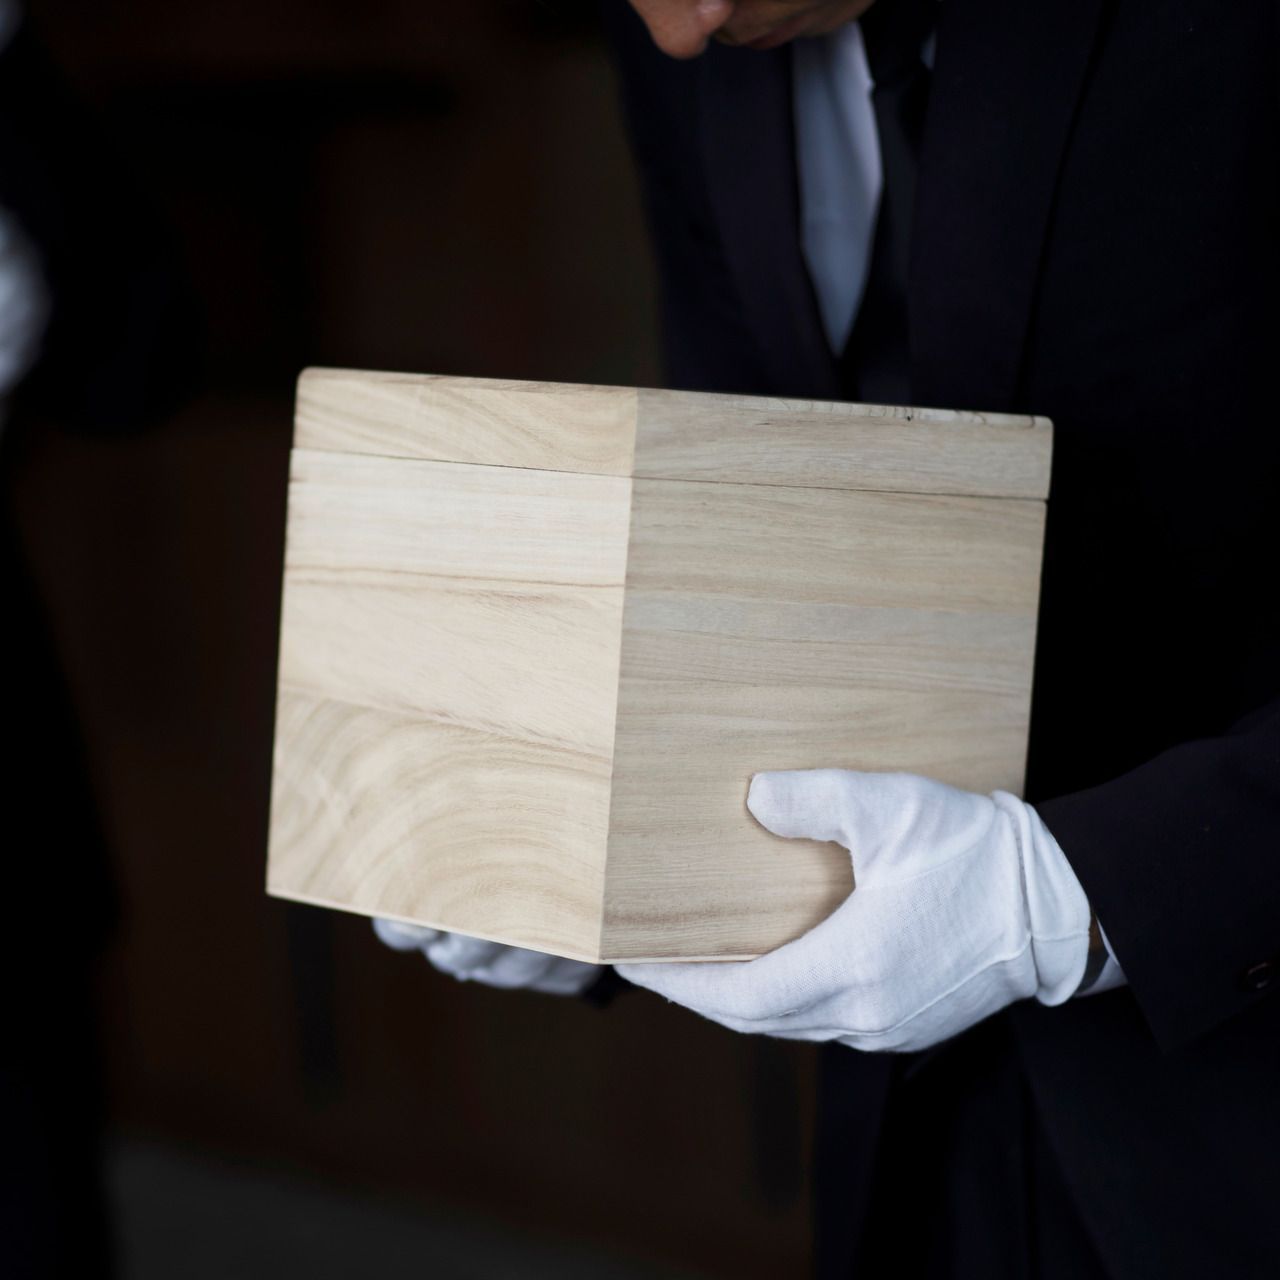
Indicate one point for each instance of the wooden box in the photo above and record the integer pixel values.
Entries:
(536, 638)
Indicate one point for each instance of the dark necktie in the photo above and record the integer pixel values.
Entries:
(876, 365)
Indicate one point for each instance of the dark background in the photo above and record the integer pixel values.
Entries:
(395, 184)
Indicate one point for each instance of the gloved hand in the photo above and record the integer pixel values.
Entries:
(474, 960)
(963, 904)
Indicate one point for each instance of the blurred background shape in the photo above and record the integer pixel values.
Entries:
(394, 184)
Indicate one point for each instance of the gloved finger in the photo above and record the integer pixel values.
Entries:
(893, 824)
(403, 937)
(568, 977)
(513, 968)
(802, 803)
(460, 954)
(798, 975)
(717, 997)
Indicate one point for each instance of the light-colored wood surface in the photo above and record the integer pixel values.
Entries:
(769, 628)
(829, 445)
(673, 435)
(386, 813)
(448, 671)
(435, 605)
(522, 693)
(550, 426)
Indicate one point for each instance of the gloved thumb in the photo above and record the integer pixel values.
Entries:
(801, 803)
(404, 937)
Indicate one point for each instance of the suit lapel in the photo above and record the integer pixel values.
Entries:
(1006, 83)
(749, 159)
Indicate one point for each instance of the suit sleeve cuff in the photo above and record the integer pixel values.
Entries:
(1179, 858)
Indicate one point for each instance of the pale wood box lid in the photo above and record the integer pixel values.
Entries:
(674, 435)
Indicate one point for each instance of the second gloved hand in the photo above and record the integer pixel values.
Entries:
(492, 963)
(963, 904)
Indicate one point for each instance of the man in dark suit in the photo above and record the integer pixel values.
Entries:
(1078, 218)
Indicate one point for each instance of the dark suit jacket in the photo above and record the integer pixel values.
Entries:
(1096, 239)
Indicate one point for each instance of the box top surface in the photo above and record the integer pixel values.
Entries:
(673, 435)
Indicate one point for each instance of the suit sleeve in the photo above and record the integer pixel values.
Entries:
(1181, 861)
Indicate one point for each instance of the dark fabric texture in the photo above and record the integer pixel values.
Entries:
(1096, 238)
(1000, 1210)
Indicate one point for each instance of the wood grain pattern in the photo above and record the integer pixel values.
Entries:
(674, 435)
(548, 426)
(521, 692)
(426, 587)
(389, 814)
(905, 644)
(826, 444)
(449, 653)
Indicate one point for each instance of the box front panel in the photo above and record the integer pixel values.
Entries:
(771, 628)
(448, 676)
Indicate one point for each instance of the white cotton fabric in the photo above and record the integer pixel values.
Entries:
(963, 904)
(491, 963)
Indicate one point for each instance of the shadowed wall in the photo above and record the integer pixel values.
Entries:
(387, 185)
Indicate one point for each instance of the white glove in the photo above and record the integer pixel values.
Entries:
(474, 960)
(964, 903)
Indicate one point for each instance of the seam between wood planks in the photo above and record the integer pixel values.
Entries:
(740, 484)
